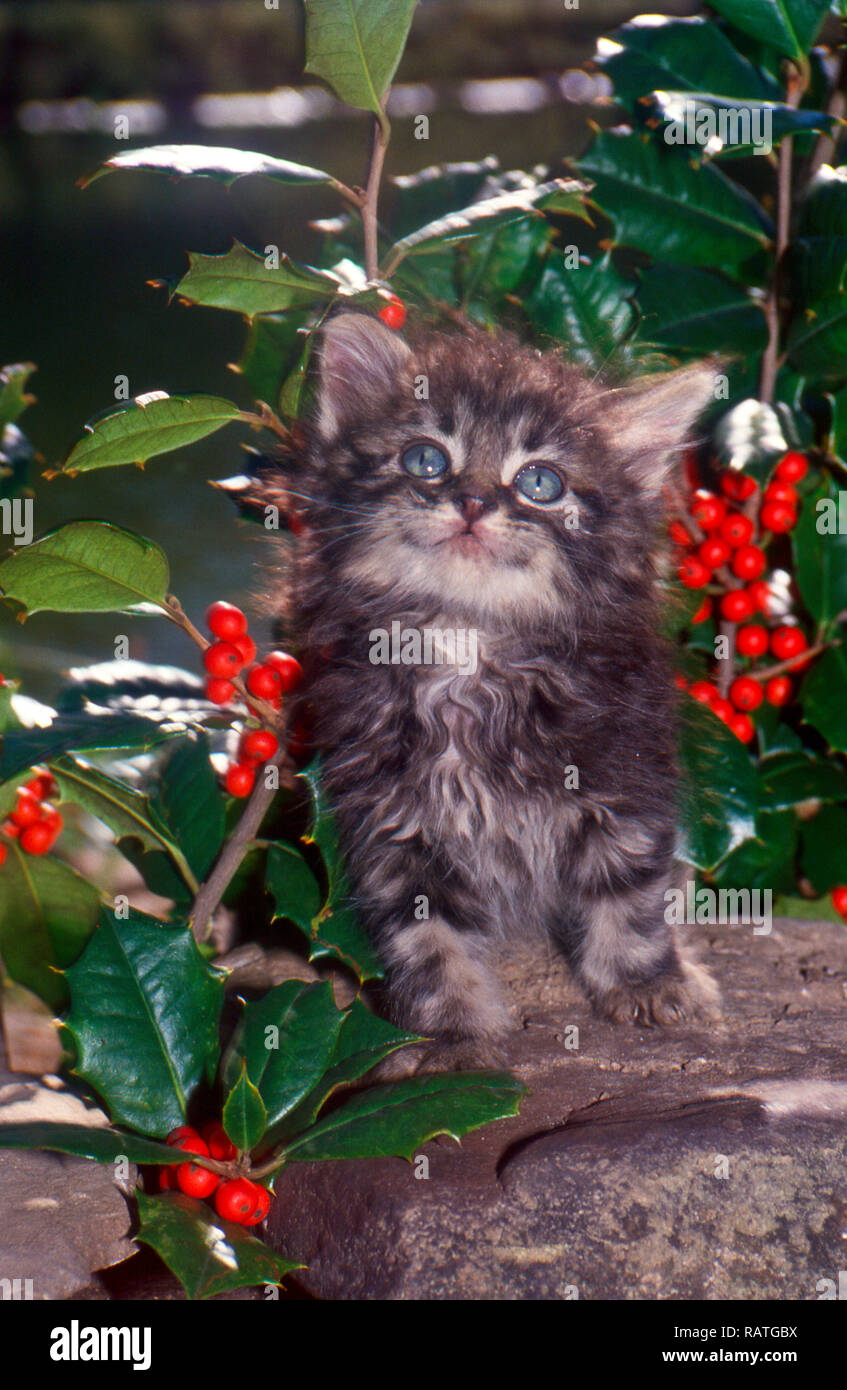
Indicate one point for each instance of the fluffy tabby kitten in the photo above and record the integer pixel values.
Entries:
(471, 485)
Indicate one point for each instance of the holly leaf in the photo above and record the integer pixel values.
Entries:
(820, 554)
(587, 306)
(145, 1009)
(284, 1041)
(690, 54)
(245, 1118)
(208, 1256)
(363, 1040)
(766, 861)
(273, 348)
(728, 126)
(86, 567)
(789, 779)
(82, 732)
(719, 790)
(824, 848)
(242, 280)
(490, 214)
(96, 1142)
(47, 913)
(292, 885)
(398, 1118)
(823, 696)
(789, 26)
(684, 308)
(355, 46)
(189, 802)
(660, 204)
(207, 161)
(152, 424)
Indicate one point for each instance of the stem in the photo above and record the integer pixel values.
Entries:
(370, 198)
(799, 659)
(795, 87)
(234, 850)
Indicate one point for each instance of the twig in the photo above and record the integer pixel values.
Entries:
(795, 87)
(370, 199)
(235, 848)
(800, 659)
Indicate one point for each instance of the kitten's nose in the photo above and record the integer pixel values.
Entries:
(471, 507)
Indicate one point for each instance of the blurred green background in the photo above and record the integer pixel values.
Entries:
(75, 298)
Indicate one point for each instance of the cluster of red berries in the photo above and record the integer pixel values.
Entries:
(34, 823)
(269, 680)
(393, 314)
(236, 1199)
(729, 550)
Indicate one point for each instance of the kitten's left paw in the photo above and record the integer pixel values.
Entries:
(688, 996)
(466, 1054)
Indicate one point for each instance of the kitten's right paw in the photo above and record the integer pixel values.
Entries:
(688, 996)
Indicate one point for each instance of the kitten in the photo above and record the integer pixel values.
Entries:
(469, 485)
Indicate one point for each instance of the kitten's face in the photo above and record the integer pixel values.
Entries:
(499, 494)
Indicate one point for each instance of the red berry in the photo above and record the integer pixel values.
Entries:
(707, 509)
(749, 562)
(27, 811)
(260, 744)
(240, 779)
(261, 1204)
(223, 659)
(714, 552)
(52, 819)
(746, 693)
(37, 839)
(42, 785)
(792, 467)
(680, 682)
(703, 691)
(737, 486)
(246, 646)
(760, 595)
(3, 853)
(220, 1145)
(736, 606)
(234, 1200)
(264, 682)
(743, 727)
(167, 1180)
(288, 669)
(737, 529)
(778, 690)
(192, 1144)
(226, 621)
(678, 534)
(299, 743)
(787, 642)
(839, 899)
(182, 1132)
(195, 1181)
(777, 517)
(693, 573)
(219, 691)
(9, 828)
(752, 640)
(723, 709)
(703, 612)
(393, 314)
(782, 492)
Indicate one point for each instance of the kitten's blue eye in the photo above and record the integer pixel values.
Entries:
(539, 483)
(425, 461)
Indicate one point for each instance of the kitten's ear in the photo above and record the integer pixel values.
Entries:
(359, 363)
(650, 419)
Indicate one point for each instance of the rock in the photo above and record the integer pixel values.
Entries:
(60, 1217)
(645, 1164)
